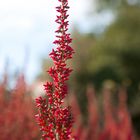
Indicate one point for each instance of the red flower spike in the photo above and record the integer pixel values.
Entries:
(56, 121)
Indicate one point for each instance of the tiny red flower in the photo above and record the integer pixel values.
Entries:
(56, 121)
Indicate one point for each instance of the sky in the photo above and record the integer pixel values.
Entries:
(27, 31)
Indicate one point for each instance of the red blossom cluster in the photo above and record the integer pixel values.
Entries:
(111, 124)
(54, 119)
(17, 112)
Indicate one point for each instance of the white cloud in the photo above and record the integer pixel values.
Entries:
(15, 22)
(19, 5)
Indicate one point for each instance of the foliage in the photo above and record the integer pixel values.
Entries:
(114, 4)
(113, 55)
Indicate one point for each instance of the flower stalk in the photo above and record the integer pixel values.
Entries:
(54, 119)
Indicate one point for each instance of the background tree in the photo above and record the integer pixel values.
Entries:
(114, 55)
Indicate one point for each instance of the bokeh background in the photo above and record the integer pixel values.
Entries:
(106, 39)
